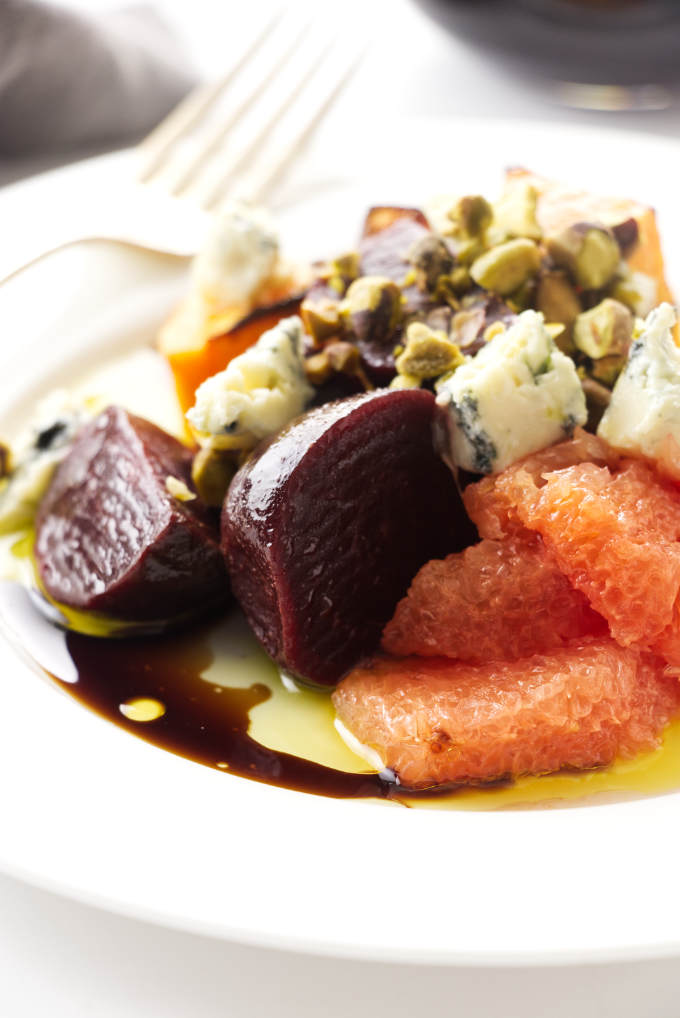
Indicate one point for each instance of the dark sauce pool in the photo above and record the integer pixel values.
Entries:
(154, 687)
(161, 689)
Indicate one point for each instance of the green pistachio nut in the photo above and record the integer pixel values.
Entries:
(604, 331)
(598, 398)
(472, 215)
(371, 308)
(431, 259)
(514, 215)
(405, 382)
(556, 297)
(212, 471)
(339, 273)
(608, 369)
(589, 253)
(428, 353)
(460, 280)
(507, 267)
(321, 319)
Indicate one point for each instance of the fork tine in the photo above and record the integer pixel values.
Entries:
(215, 137)
(209, 195)
(262, 182)
(154, 149)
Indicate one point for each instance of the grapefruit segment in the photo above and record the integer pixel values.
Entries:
(438, 722)
(615, 536)
(491, 502)
(496, 600)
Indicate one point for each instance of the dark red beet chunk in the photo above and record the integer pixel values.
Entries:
(326, 525)
(110, 537)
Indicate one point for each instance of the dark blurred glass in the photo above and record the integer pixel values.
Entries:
(600, 42)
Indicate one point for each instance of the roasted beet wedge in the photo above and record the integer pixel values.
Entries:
(326, 525)
(112, 539)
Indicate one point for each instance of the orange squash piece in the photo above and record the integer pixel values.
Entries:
(194, 355)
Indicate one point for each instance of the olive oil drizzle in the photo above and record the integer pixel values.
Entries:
(205, 723)
(161, 689)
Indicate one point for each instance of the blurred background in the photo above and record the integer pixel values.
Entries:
(602, 62)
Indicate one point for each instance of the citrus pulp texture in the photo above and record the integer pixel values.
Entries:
(434, 721)
(495, 600)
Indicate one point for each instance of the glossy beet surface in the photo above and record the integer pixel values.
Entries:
(110, 538)
(326, 525)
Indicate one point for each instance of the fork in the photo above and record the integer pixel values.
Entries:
(235, 137)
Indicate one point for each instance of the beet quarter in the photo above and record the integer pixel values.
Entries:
(326, 525)
(112, 538)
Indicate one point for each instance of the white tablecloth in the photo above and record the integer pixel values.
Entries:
(66, 960)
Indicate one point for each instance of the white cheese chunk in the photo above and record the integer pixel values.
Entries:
(644, 411)
(517, 395)
(238, 257)
(258, 392)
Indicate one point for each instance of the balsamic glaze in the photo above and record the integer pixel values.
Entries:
(208, 724)
(202, 722)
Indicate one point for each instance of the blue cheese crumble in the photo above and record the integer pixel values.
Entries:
(258, 392)
(36, 455)
(240, 255)
(645, 406)
(519, 394)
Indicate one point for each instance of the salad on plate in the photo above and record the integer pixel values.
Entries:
(439, 477)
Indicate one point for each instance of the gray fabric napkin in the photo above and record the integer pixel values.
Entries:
(69, 80)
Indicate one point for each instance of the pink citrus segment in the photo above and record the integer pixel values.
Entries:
(495, 600)
(438, 722)
(491, 505)
(615, 536)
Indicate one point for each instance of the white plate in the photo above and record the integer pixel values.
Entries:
(92, 813)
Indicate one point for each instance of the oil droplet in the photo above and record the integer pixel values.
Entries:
(222, 765)
(142, 709)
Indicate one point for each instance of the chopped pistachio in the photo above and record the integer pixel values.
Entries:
(179, 489)
(478, 311)
(588, 251)
(340, 272)
(605, 330)
(372, 307)
(318, 368)
(211, 472)
(607, 369)
(492, 330)
(524, 296)
(472, 215)
(337, 357)
(431, 259)
(428, 353)
(438, 318)
(405, 382)
(321, 319)
(557, 299)
(554, 330)
(514, 215)
(506, 267)
(460, 279)
(597, 400)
